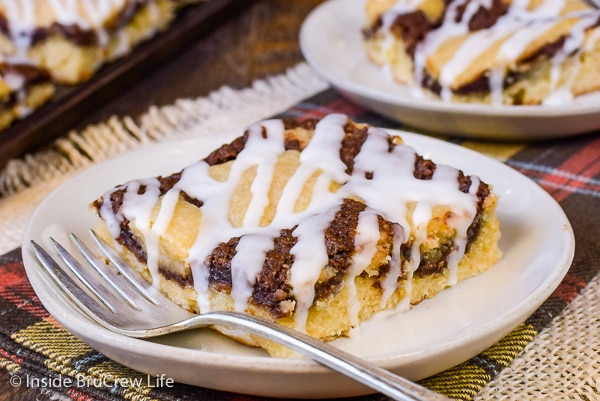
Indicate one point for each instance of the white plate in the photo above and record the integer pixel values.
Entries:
(437, 334)
(331, 42)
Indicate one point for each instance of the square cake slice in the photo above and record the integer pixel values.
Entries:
(72, 39)
(515, 52)
(318, 225)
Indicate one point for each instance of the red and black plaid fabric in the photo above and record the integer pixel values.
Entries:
(33, 345)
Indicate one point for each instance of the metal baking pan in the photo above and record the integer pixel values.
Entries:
(59, 115)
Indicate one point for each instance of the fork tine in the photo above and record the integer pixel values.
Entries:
(86, 278)
(108, 274)
(77, 294)
(123, 267)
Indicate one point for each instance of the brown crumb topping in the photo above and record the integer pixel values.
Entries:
(351, 144)
(484, 17)
(272, 289)
(227, 152)
(178, 278)
(435, 260)
(339, 243)
(219, 265)
(424, 168)
(412, 28)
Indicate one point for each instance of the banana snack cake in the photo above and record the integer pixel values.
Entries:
(316, 224)
(72, 39)
(512, 52)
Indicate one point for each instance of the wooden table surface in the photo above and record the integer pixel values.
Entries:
(261, 40)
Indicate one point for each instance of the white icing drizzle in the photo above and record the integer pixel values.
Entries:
(365, 249)
(390, 281)
(383, 178)
(310, 257)
(85, 13)
(562, 94)
(138, 210)
(215, 195)
(322, 153)
(253, 155)
(516, 30)
(21, 17)
(246, 265)
(15, 81)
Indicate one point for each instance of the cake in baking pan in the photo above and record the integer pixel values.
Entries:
(514, 52)
(316, 224)
(23, 88)
(72, 39)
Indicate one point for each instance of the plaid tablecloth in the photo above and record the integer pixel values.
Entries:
(33, 346)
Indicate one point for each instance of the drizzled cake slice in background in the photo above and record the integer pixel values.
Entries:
(23, 88)
(318, 225)
(488, 51)
(72, 39)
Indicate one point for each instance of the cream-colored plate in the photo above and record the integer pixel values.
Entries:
(437, 334)
(332, 44)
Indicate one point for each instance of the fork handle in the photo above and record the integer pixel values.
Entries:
(356, 368)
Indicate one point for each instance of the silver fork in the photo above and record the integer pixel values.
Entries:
(122, 301)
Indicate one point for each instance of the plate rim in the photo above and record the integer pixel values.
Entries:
(293, 366)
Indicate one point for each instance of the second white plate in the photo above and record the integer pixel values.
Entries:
(439, 333)
(331, 42)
